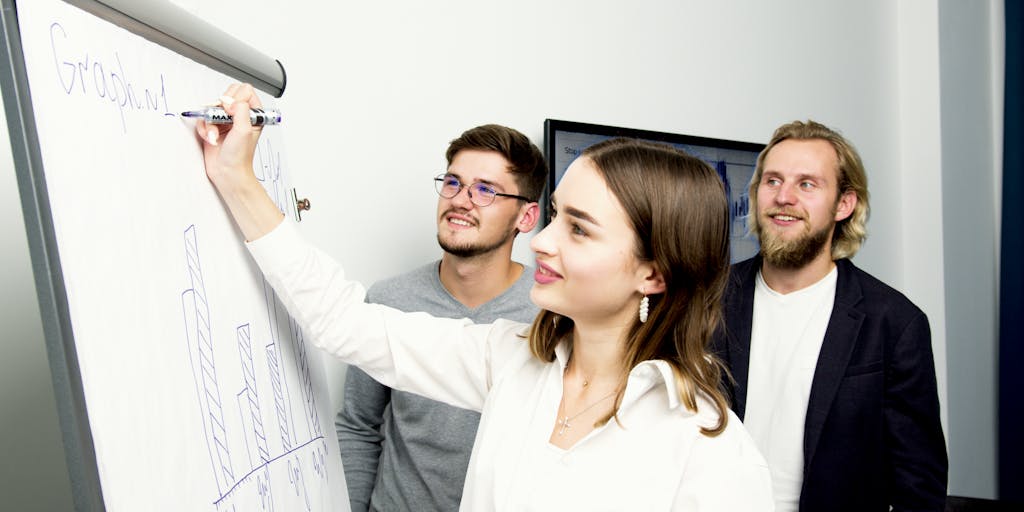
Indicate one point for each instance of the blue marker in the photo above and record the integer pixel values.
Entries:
(216, 115)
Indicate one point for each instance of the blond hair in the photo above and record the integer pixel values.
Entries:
(850, 232)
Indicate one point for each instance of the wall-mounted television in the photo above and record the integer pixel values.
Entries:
(734, 160)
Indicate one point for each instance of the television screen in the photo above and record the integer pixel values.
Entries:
(735, 162)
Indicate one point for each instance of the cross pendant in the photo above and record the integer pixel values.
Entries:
(564, 423)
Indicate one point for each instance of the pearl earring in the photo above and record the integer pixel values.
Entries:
(645, 305)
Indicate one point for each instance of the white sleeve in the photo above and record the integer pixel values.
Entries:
(448, 360)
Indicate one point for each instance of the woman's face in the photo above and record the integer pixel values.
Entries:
(587, 268)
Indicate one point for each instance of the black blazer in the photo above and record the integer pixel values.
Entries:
(872, 436)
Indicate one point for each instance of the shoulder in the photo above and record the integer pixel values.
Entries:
(745, 266)
(508, 351)
(732, 449)
(743, 272)
(870, 294)
(512, 336)
(510, 329)
(734, 439)
(733, 443)
(718, 465)
(414, 281)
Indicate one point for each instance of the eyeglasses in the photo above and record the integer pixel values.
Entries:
(481, 194)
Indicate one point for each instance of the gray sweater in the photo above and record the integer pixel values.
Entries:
(401, 451)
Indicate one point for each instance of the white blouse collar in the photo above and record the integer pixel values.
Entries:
(642, 378)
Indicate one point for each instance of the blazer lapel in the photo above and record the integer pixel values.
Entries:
(739, 314)
(836, 349)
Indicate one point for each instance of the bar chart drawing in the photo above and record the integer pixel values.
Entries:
(261, 458)
(197, 320)
(306, 380)
(250, 395)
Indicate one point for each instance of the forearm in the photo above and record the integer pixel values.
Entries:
(443, 359)
(252, 208)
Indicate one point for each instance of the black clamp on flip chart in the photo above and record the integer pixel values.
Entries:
(301, 205)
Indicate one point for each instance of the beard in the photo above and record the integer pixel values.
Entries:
(471, 250)
(476, 248)
(794, 254)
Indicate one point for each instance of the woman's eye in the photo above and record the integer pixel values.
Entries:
(577, 230)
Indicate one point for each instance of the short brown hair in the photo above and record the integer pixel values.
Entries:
(526, 162)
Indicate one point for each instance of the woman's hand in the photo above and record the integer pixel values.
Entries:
(228, 151)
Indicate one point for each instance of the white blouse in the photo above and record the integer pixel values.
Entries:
(657, 459)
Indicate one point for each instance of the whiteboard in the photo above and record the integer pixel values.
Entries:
(199, 389)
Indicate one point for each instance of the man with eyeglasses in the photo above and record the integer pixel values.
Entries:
(401, 451)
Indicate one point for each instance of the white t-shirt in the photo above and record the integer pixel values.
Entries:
(785, 338)
(657, 459)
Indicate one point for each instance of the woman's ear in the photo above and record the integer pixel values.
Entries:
(653, 281)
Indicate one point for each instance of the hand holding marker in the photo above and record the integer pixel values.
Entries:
(214, 114)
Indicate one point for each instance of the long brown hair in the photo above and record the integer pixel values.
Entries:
(677, 206)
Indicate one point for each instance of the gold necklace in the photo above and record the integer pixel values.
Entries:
(564, 422)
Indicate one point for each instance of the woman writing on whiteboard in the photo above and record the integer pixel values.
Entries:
(610, 399)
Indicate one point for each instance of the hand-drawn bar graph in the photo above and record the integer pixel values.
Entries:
(197, 320)
(251, 396)
(307, 381)
(275, 464)
(280, 407)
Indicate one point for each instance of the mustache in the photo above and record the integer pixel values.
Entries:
(771, 212)
(462, 212)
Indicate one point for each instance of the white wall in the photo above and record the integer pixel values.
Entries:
(377, 89)
(971, 235)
